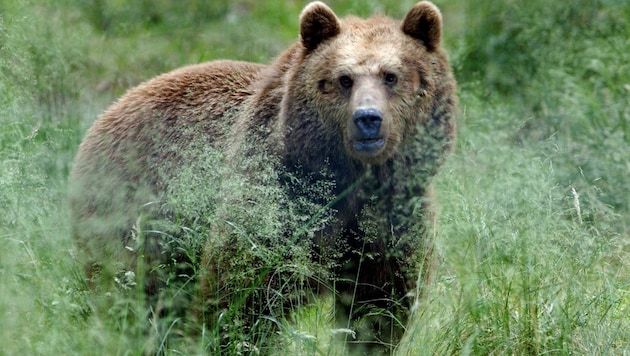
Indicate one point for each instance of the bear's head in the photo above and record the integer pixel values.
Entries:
(370, 81)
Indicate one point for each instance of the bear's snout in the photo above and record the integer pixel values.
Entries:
(369, 138)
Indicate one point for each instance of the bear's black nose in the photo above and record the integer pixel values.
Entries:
(368, 121)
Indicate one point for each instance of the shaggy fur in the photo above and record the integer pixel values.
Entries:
(372, 101)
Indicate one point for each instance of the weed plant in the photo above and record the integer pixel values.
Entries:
(534, 210)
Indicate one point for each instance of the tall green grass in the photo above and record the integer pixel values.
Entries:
(534, 212)
(524, 271)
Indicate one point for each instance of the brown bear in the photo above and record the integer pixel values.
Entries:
(367, 105)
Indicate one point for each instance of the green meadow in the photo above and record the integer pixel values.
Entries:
(534, 204)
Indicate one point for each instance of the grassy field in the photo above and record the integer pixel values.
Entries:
(534, 221)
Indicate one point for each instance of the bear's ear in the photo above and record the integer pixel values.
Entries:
(317, 23)
(424, 22)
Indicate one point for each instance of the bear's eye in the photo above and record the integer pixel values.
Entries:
(345, 81)
(390, 79)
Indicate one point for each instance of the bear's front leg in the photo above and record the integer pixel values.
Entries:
(377, 289)
(388, 265)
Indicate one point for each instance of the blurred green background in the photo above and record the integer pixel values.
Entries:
(535, 210)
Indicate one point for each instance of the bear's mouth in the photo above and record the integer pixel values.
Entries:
(369, 146)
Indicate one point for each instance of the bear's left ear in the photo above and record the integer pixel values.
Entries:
(317, 23)
(424, 22)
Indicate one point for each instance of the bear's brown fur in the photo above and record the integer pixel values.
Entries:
(371, 101)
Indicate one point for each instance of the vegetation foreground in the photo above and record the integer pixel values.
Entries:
(534, 211)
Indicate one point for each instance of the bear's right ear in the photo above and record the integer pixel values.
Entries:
(424, 22)
(317, 24)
